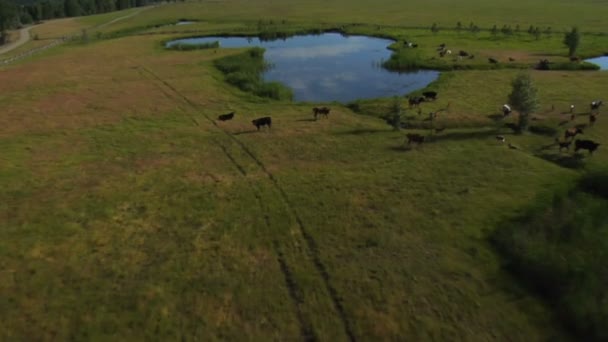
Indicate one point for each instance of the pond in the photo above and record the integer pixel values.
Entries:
(601, 61)
(330, 66)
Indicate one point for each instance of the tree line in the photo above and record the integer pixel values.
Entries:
(15, 13)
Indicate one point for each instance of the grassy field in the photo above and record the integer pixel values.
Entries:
(127, 212)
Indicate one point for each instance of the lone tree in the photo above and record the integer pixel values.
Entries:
(524, 99)
(571, 40)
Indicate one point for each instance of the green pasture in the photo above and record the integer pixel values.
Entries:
(128, 212)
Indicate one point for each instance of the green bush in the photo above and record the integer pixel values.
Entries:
(190, 47)
(244, 71)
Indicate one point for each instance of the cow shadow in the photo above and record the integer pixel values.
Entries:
(457, 136)
(246, 132)
(570, 161)
(495, 117)
(306, 120)
(360, 131)
(543, 130)
(402, 148)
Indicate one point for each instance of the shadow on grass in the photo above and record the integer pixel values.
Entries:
(457, 136)
(402, 148)
(543, 130)
(359, 131)
(245, 132)
(306, 120)
(570, 161)
(496, 117)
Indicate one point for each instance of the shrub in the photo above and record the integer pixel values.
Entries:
(244, 71)
(559, 248)
(190, 47)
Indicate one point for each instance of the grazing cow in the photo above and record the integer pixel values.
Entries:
(323, 110)
(588, 145)
(413, 137)
(492, 60)
(226, 117)
(511, 59)
(414, 45)
(506, 110)
(261, 122)
(543, 64)
(595, 105)
(500, 138)
(592, 119)
(563, 144)
(463, 53)
(572, 132)
(430, 95)
(415, 101)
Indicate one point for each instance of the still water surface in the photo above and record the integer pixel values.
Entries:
(330, 66)
(601, 61)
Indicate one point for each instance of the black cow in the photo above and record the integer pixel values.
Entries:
(492, 60)
(265, 121)
(415, 101)
(588, 145)
(572, 132)
(323, 110)
(543, 64)
(595, 105)
(226, 117)
(417, 138)
(463, 53)
(430, 95)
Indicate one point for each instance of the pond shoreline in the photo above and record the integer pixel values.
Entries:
(326, 67)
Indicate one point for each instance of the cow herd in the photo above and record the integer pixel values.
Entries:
(267, 120)
(571, 133)
(415, 101)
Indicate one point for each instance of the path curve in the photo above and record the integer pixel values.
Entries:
(24, 37)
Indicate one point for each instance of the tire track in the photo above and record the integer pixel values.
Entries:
(312, 247)
(295, 292)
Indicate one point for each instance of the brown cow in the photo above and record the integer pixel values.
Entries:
(572, 132)
(413, 137)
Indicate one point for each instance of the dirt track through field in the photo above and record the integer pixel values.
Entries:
(24, 37)
(312, 247)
